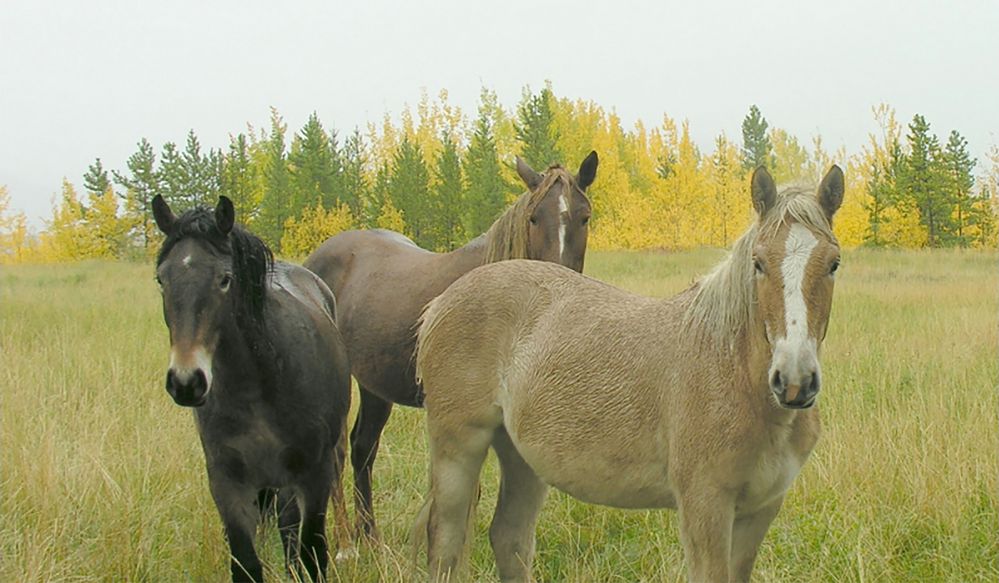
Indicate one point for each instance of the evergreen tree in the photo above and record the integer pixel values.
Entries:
(354, 184)
(449, 195)
(536, 130)
(486, 193)
(409, 191)
(756, 147)
(959, 167)
(922, 181)
(314, 167)
(380, 195)
(199, 174)
(239, 177)
(172, 177)
(275, 206)
(96, 180)
(141, 184)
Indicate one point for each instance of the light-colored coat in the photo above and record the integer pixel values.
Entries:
(701, 402)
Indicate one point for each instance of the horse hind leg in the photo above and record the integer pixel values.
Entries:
(372, 415)
(314, 497)
(521, 496)
(289, 523)
(456, 459)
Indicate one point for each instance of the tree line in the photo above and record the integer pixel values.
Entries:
(442, 178)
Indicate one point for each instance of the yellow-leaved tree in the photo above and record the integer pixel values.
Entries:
(304, 234)
(390, 218)
(14, 243)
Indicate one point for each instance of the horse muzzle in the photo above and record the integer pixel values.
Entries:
(795, 393)
(189, 388)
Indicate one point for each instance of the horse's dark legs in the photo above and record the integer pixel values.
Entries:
(289, 519)
(364, 438)
(314, 548)
(237, 505)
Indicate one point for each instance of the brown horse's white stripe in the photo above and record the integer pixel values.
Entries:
(563, 212)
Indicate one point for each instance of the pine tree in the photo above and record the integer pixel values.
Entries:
(380, 197)
(486, 193)
(141, 184)
(199, 174)
(172, 177)
(409, 191)
(275, 206)
(536, 130)
(756, 147)
(239, 177)
(314, 167)
(354, 184)
(922, 181)
(96, 180)
(961, 180)
(449, 197)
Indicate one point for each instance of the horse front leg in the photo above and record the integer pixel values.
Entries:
(706, 518)
(747, 534)
(237, 506)
(372, 415)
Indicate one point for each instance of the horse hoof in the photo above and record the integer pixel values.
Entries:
(347, 554)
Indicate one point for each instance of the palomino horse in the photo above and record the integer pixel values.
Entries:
(255, 350)
(382, 281)
(702, 402)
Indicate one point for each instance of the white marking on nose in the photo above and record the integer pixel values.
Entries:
(186, 261)
(563, 212)
(184, 366)
(797, 252)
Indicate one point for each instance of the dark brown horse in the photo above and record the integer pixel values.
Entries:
(382, 280)
(255, 350)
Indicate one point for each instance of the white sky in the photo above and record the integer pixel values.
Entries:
(80, 80)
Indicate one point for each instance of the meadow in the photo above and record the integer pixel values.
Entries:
(103, 476)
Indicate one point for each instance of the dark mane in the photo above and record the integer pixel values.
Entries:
(252, 260)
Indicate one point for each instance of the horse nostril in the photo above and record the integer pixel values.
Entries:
(776, 382)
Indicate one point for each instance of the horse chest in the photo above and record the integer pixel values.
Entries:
(769, 479)
(252, 451)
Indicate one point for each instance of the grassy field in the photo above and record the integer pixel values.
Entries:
(103, 477)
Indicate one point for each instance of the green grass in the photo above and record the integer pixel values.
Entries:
(103, 477)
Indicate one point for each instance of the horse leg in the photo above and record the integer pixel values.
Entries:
(747, 534)
(341, 521)
(706, 518)
(289, 521)
(364, 439)
(456, 459)
(314, 497)
(237, 506)
(521, 495)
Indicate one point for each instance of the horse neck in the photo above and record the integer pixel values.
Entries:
(471, 254)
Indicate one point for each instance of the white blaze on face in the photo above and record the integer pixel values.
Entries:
(187, 261)
(184, 366)
(795, 354)
(563, 218)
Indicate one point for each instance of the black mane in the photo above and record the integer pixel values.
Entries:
(252, 260)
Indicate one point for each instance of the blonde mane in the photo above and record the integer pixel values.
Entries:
(507, 237)
(725, 299)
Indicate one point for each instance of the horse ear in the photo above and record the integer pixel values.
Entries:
(587, 171)
(163, 215)
(531, 178)
(225, 215)
(831, 191)
(764, 191)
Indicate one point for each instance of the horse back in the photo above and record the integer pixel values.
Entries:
(381, 281)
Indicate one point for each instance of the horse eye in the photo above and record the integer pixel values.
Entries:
(586, 220)
(758, 266)
(834, 267)
(226, 282)
(159, 281)
(534, 220)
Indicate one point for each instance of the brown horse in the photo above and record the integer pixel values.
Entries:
(382, 281)
(702, 402)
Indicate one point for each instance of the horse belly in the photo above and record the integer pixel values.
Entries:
(610, 477)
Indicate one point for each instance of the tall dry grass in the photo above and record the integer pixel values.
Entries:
(103, 477)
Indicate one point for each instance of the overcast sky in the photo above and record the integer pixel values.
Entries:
(80, 80)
